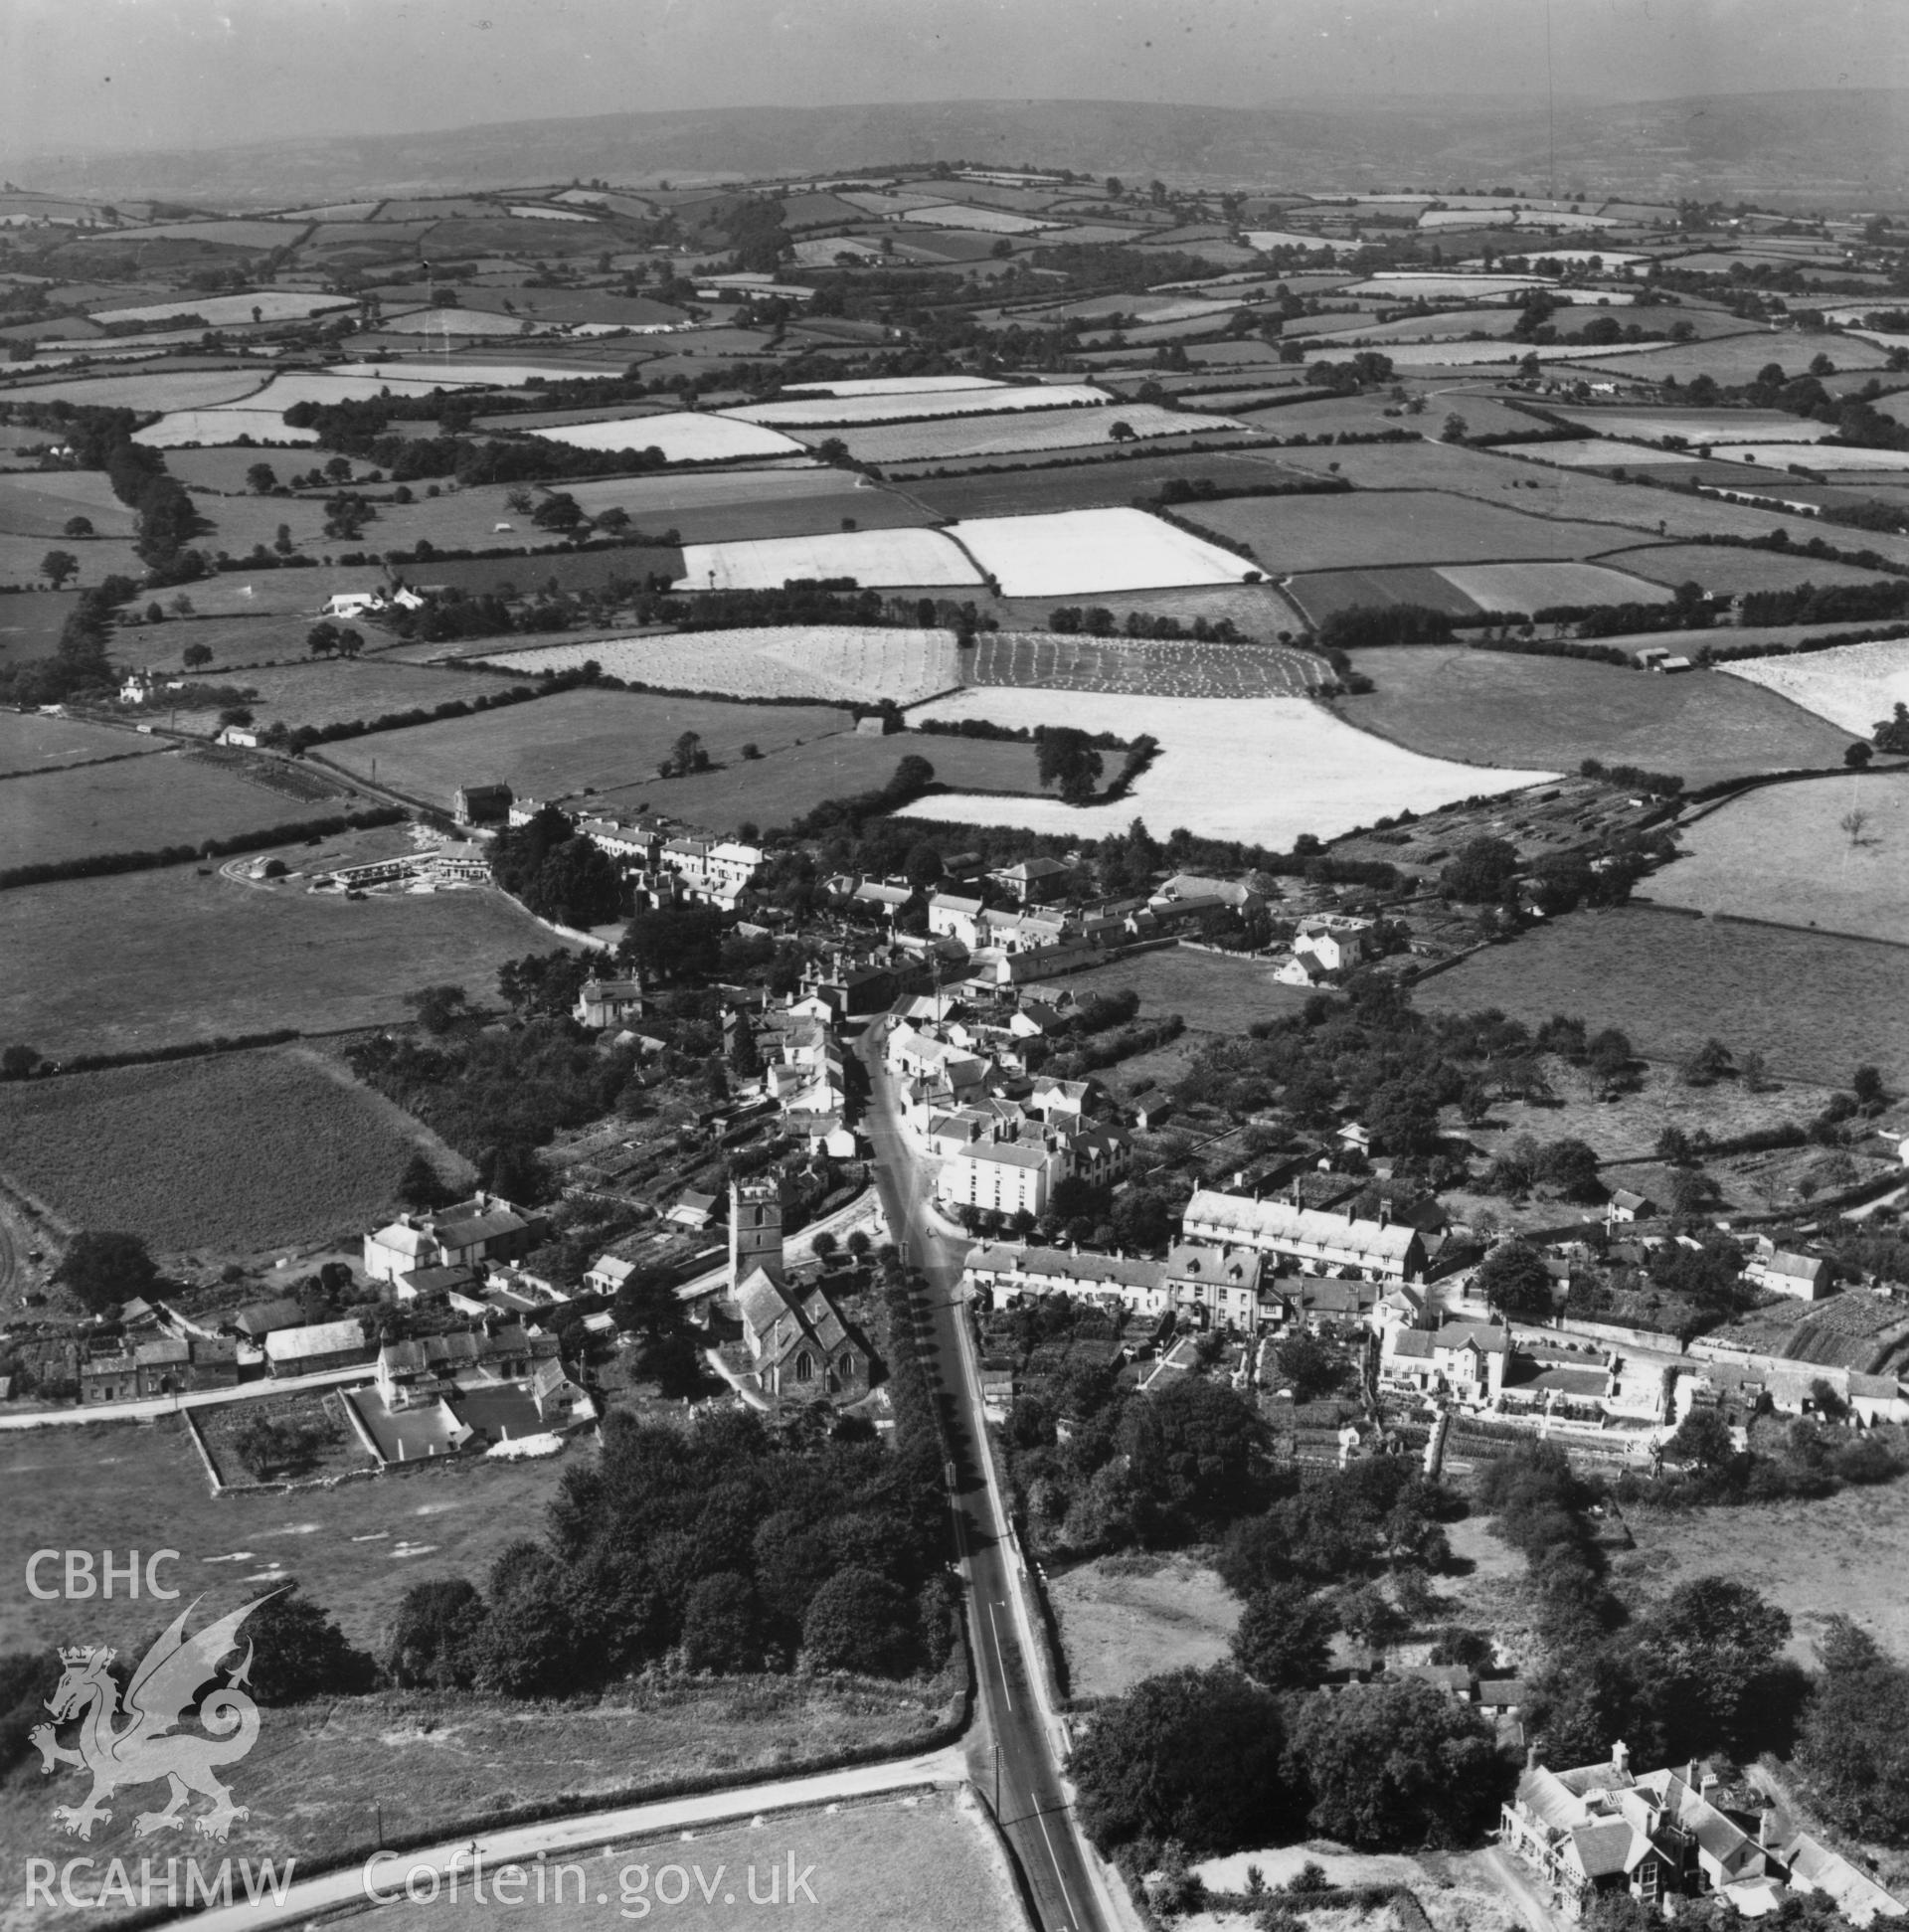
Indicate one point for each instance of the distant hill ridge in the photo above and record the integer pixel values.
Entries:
(1845, 148)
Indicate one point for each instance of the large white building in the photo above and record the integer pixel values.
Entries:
(1001, 1177)
(1313, 1240)
(719, 873)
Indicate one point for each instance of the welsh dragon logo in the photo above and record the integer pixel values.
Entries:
(151, 1747)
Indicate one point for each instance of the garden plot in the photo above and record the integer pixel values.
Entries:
(182, 426)
(1853, 685)
(681, 435)
(1092, 552)
(898, 405)
(1541, 587)
(1031, 433)
(847, 663)
(229, 311)
(1261, 771)
(879, 557)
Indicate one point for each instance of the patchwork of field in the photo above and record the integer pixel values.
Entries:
(1501, 707)
(1031, 433)
(905, 405)
(1261, 771)
(1378, 527)
(682, 436)
(1853, 685)
(843, 663)
(1811, 1003)
(1053, 663)
(1828, 852)
(1093, 551)
(881, 558)
(230, 1154)
(214, 957)
(134, 805)
(561, 746)
(1734, 359)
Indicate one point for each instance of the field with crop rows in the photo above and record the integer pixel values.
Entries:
(213, 957)
(1377, 528)
(229, 1154)
(1031, 433)
(904, 405)
(1539, 586)
(843, 663)
(1092, 552)
(1786, 853)
(1853, 685)
(557, 746)
(1673, 982)
(881, 558)
(683, 436)
(1258, 770)
(136, 803)
(1161, 669)
(1504, 708)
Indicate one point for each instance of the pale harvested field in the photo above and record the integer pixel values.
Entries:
(1853, 685)
(266, 428)
(683, 436)
(1783, 853)
(903, 405)
(1092, 552)
(1538, 586)
(828, 662)
(1841, 1555)
(157, 389)
(1258, 770)
(1036, 431)
(1125, 1617)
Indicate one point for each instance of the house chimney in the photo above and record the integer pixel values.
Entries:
(1770, 1829)
(1530, 1757)
(1621, 1756)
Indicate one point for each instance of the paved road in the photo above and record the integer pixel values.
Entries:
(152, 1407)
(1020, 1739)
(594, 1832)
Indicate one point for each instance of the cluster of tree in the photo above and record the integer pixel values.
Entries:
(1367, 368)
(1826, 603)
(1208, 1762)
(1633, 777)
(79, 666)
(556, 873)
(1362, 625)
(1851, 1744)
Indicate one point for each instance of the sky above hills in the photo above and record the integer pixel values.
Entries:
(100, 74)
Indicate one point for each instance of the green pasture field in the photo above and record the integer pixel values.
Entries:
(1214, 992)
(213, 956)
(561, 746)
(98, 558)
(269, 593)
(779, 788)
(267, 637)
(1544, 490)
(1530, 713)
(134, 806)
(1812, 1004)
(569, 570)
(1382, 527)
(1257, 611)
(1090, 486)
(237, 1154)
(1784, 853)
(38, 503)
(224, 470)
(236, 523)
(30, 622)
(1166, 669)
(1730, 571)
(1320, 592)
(1737, 358)
(871, 1864)
(32, 742)
(337, 690)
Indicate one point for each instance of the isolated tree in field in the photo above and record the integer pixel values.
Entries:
(77, 526)
(105, 1268)
(1857, 754)
(261, 479)
(1512, 1279)
(1854, 823)
(1454, 429)
(58, 565)
(194, 655)
(1571, 1167)
(350, 643)
(1608, 1055)
(439, 1008)
(322, 639)
(519, 499)
(687, 754)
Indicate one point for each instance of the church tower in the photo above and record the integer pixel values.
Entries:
(754, 1231)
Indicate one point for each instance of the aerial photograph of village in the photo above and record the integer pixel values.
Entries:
(954, 966)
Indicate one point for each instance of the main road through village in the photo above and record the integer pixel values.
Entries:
(1017, 1744)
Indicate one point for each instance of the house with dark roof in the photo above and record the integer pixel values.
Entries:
(484, 1228)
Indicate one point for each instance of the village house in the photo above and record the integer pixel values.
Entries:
(717, 873)
(1309, 1239)
(316, 1348)
(159, 1366)
(1032, 881)
(1807, 1278)
(482, 804)
(1462, 1360)
(956, 916)
(484, 1228)
(609, 1002)
(1006, 1179)
(1210, 1287)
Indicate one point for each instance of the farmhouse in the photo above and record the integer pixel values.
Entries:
(1805, 1276)
(484, 1228)
(1308, 1238)
(482, 804)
